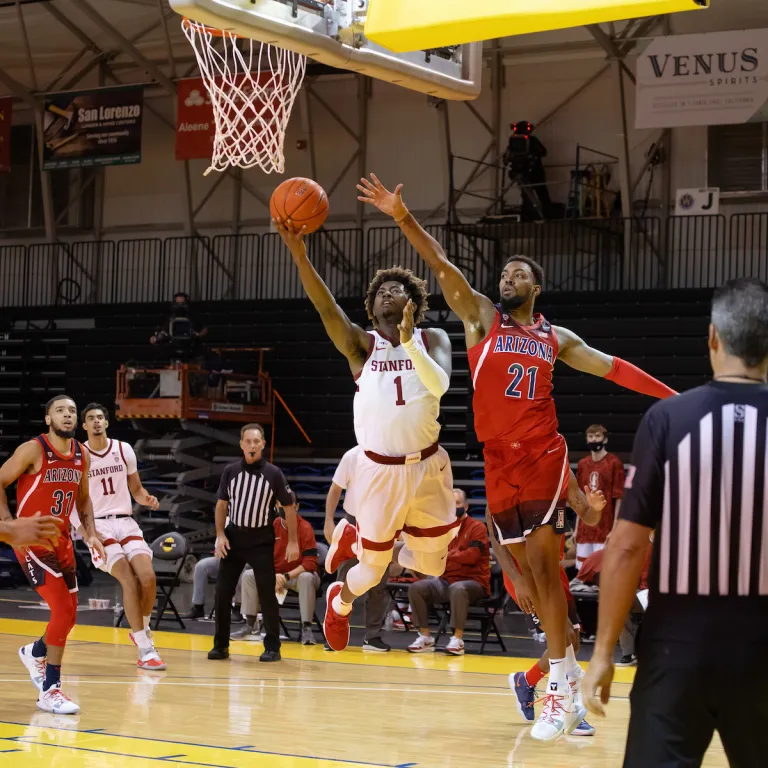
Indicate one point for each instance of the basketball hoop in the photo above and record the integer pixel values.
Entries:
(252, 87)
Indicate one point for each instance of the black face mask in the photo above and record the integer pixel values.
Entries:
(596, 447)
(460, 511)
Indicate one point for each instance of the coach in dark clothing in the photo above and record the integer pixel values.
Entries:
(699, 479)
(248, 492)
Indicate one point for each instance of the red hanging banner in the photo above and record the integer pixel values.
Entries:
(195, 128)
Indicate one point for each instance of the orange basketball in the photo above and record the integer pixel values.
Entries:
(300, 203)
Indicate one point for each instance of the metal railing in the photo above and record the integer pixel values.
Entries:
(577, 255)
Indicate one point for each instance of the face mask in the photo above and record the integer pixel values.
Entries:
(460, 511)
(596, 447)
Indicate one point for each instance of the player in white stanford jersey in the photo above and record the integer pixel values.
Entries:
(113, 479)
(403, 480)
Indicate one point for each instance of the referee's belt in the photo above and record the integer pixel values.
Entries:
(411, 458)
(113, 517)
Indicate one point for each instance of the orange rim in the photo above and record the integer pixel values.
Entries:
(187, 23)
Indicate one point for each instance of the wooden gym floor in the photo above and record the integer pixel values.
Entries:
(314, 709)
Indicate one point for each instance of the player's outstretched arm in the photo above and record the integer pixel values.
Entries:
(472, 307)
(590, 507)
(350, 339)
(574, 351)
(23, 457)
(434, 367)
(85, 511)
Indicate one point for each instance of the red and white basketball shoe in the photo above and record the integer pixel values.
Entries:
(35, 666)
(151, 660)
(343, 546)
(56, 701)
(335, 627)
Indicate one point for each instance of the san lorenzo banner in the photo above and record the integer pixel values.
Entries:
(93, 128)
(719, 78)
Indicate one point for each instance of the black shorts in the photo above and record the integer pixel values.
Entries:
(684, 692)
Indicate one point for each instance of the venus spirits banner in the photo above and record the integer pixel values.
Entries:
(93, 128)
(714, 79)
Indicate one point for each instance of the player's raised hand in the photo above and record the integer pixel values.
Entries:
(375, 193)
(405, 326)
(597, 684)
(595, 499)
(293, 238)
(35, 531)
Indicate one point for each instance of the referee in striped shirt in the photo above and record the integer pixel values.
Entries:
(248, 492)
(699, 479)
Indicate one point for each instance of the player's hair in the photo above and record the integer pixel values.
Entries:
(414, 286)
(536, 268)
(740, 316)
(55, 399)
(597, 428)
(93, 407)
(253, 425)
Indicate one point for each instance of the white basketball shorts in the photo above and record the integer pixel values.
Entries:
(415, 499)
(121, 537)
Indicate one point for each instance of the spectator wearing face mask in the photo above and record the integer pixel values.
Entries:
(599, 471)
(467, 579)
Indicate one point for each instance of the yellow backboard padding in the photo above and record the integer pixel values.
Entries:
(412, 25)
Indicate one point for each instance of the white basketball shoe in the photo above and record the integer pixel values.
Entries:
(35, 666)
(559, 715)
(56, 701)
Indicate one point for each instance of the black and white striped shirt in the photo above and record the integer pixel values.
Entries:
(252, 491)
(699, 476)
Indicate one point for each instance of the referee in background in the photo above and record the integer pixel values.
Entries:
(248, 493)
(700, 480)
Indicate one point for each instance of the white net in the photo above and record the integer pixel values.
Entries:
(252, 86)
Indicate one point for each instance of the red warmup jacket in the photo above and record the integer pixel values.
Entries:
(468, 556)
(307, 546)
(594, 564)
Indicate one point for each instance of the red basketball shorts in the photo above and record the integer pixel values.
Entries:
(573, 614)
(526, 485)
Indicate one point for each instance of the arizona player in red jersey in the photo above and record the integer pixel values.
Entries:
(512, 352)
(52, 474)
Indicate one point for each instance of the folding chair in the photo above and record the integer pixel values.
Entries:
(484, 612)
(169, 551)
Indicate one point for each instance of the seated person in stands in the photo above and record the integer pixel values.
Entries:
(207, 569)
(300, 575)
(588, 580)
(467, 579)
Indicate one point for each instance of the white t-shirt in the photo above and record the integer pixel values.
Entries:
(344, 474)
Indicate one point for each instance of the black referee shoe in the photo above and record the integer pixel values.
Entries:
(627, 661)
(218, 654)
(270, 656)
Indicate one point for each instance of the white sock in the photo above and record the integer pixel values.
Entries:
(342, 608)
(142, 640)
(557, 674)
(572, 667)
(147, 619)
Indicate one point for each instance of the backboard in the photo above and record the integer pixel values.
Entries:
(332, 32)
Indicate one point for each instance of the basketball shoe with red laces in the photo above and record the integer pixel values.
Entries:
(149, 658)
(343, 546)
(559, 716)
(335, 627)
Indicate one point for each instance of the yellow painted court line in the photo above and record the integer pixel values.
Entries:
(177, 641)
(43, 746)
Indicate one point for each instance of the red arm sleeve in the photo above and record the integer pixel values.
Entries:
(630, 376)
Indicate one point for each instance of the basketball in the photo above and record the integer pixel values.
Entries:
(301, 203)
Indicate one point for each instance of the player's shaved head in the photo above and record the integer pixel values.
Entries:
(740, 319)
(55, 399)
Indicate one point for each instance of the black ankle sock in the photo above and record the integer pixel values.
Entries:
(39, 649)
(52, 675)
(306, 624)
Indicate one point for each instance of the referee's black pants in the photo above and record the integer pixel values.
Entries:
(683, 692)
(256, 547)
